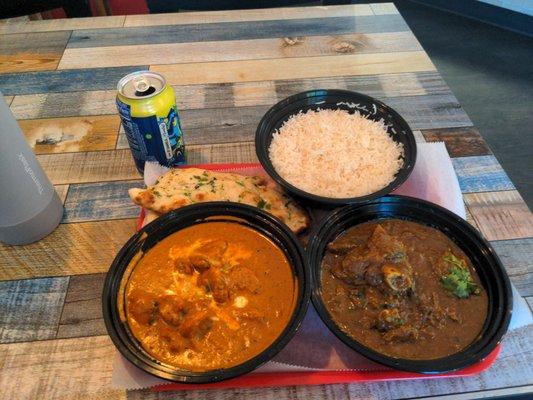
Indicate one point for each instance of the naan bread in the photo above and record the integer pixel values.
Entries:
(184, 186)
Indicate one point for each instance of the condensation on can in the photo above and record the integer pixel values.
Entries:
(147, 108)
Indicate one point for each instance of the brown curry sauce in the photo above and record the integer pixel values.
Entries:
(210, 296)
(403, 289)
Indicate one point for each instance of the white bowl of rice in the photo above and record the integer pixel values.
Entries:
(334, 146)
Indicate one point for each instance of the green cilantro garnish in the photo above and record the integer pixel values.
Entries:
(459, 281)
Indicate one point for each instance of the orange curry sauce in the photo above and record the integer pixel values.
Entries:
(210, 296)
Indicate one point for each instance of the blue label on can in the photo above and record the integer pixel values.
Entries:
(152, 138)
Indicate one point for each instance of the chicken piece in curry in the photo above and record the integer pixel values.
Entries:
(403, 289)
(210, 296)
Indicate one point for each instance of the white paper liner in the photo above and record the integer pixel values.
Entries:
(314, 347)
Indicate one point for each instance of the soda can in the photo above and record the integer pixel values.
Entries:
(147, 108)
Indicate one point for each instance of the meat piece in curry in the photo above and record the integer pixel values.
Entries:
(403, 289)
(210, 296)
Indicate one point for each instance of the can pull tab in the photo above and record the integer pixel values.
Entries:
(142, 87)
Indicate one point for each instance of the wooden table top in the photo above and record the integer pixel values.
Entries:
(227, 69)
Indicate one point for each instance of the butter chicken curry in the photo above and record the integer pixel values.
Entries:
(403, 289)
(210, 296)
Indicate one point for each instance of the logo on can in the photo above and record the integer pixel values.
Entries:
(147, 108)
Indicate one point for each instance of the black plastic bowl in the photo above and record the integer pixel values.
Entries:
(335, 99)
(487, 265)
(175, 221)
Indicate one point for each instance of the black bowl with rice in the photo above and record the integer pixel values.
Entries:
(335, 147)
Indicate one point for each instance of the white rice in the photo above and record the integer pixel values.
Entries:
(335, 154)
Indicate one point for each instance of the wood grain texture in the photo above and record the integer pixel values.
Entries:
(425, 112)
(241, 152)
(248, 15)
(75, 368)
(55, 105)
(110, 200)
(8, 99)
(512, 368)
(71, 134)
(93, 166)
(470, 219)
(501, 215)
(82, 311)
(83, 79)
(223, 125)
(460, 142)
(229, 95)
(100, 201)
(30, 309)
(222, 90)
(481, 174)
(244, 30)
(54, 25)
(384, 8)
(294, 68)
(72, 249)
(516, 256)
(208, 51)
(61, 191)
(31, 51)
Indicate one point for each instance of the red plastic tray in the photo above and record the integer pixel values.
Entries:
(302, 378)
(278, 379)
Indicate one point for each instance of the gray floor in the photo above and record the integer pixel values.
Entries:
(490, 70)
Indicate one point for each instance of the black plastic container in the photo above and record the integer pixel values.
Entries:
(487, 265)
(175, 221)
(374, 109)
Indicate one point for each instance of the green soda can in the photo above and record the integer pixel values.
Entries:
(147, 108)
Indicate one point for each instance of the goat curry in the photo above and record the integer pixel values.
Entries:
(210, 296)
(403, 289)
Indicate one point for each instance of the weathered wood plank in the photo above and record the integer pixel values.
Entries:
(54, 25)
(283, 47)
(110, 200)
(510, 392)
(244, 30)
(82, 312)
(247, 15)
(516, 256)
(380, 86)
(241, 152)
(54, 105)
(31, 51)
(63, 135)
(100, 201)
(84, 79)
(58, 369)
(30, 309)
(223, 125)
(481, 174)
(9, 99)
(460, 142)
(470, 219)
(384, 8)
(62, 191)
(512, 368)
(501, 215)
(230, 95)
(93, 166)
(425, 112)
(72, 249)
(295, 68)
